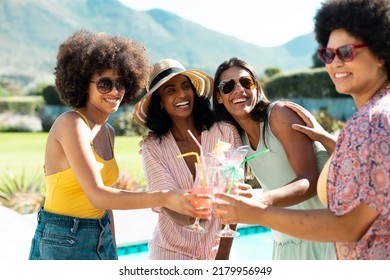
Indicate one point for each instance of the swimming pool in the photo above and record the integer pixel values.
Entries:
(254, 243)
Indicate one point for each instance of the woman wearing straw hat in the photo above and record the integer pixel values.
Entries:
(288, 173)
(177, 100)
(96, 73)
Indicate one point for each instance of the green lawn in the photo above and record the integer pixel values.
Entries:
(25, 151)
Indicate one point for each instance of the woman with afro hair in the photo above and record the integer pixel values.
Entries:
(355, 183)
(96, 73)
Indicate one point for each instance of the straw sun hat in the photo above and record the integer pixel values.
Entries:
(163, 71)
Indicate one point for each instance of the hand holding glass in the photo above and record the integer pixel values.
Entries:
(234, 174)
(200, 187)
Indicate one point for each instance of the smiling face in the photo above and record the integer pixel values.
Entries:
(360, 77)
(177, 97)
(240, 101)
(108, 102)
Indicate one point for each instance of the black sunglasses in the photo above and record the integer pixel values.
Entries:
(105, 85)
(227, 86)
(345, 53)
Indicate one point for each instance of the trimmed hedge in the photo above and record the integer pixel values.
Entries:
(313, 83)
(24, 105)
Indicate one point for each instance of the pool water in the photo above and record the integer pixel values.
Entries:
(254, 243)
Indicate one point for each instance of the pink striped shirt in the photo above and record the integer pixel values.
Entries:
(164, 171)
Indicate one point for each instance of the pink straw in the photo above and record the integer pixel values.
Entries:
(200, 147)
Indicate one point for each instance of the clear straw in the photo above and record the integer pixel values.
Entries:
(236, 150)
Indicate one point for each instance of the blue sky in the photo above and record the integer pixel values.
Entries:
(262, 22)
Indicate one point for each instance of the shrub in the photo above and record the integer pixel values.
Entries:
(12, 85)
(50, 96)
(327, 122)
(129, 184)
(125, 125)
(24, 195)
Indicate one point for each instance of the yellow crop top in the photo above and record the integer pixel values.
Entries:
(64, 194)
(322, 182)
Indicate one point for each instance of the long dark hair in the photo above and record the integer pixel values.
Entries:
(159, 122)
(259, 112)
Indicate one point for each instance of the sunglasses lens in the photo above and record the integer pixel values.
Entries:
(345, 53)
(226, 86)
(123, 85)
(104, 85)
(326, 55)
(247, 82)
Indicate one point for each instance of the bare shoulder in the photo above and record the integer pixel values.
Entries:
(67, 121)
(281, 115)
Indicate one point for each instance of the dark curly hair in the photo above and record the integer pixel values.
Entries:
(259, 112)
(159, 122)
(367, 20)
(85, 53)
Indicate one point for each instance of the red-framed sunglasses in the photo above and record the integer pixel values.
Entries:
(345, 53)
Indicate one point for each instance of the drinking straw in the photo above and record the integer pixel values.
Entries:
(234, 177)
(235, 172)
(202, 159)
(199, 164)
(190, 154)
(199, 145)
(253, 156)
(236, 150)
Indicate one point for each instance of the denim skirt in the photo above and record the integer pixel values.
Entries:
(60, 237)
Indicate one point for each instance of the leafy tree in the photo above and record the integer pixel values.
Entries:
(272, 71)
(50, 96)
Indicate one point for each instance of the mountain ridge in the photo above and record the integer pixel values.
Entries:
(31, 32)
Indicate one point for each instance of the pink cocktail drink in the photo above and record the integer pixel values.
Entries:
(203, 203)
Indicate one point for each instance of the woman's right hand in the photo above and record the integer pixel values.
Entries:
(179, 201)
(312, 129)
